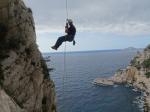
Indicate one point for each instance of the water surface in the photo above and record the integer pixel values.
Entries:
(79, 94)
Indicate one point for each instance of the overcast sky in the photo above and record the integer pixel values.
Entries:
(116, 20)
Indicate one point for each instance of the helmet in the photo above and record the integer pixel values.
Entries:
(69, 20)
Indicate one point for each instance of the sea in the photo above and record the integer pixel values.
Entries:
(75, 91)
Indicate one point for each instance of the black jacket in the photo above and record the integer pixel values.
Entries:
(71, 30)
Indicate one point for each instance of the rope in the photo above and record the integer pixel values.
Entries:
(65, 49)
(67, 13)
(65, 71)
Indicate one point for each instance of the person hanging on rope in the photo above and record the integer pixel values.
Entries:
(71, 32)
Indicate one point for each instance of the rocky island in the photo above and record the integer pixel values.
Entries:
(136, 74)
(25, 83)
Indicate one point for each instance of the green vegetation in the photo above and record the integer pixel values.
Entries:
(53, 108)
(143, 84)
(15, 42)
(9, 92)
(3, 55)
(30, 50)
(45, 69)
(3, 42)
(44, 100)
(148, 47)
(1, 76)
(138, 66)
(44, 104)
(146, 63)
(119, 71)
(135, 63)
(3, 30)
(29, 10)
(148, 74)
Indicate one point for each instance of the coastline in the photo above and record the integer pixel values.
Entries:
(138, 74)
(131, 77)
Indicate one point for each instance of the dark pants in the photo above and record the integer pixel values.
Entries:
(62, 39)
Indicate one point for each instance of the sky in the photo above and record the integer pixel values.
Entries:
(101, 24)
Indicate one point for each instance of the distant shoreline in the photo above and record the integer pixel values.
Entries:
(93, 51)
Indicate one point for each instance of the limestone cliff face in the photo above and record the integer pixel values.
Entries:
(138, 74)
(25, 85)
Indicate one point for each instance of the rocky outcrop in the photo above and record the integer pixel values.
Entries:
(104, 81)
(25, 84)
(136, 78)
(136, 74)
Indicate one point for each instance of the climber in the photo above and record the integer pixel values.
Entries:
(70, 30)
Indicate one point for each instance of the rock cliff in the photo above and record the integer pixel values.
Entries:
(25, 84)
(138, 74)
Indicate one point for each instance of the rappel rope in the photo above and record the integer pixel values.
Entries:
(65, 49)
(67, 14)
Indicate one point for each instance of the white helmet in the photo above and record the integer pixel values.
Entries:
(69, 20)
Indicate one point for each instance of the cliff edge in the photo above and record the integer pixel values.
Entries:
(25, 84)
(136, 74)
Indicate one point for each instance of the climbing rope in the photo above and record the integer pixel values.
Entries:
(65, 49)
(67, 13)
(65, 71)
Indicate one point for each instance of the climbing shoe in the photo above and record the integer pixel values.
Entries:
(53, 47)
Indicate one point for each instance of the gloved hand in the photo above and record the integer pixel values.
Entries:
(66, 25)
(74, 42)
(67, 20)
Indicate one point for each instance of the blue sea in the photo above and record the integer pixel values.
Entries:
(78, 94)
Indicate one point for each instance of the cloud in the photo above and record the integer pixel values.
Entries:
(127, 17)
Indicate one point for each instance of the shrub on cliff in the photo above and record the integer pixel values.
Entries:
(16, 41)
(3, 30)
(12, 43)
(45, 69)
(1, 75)
(148, 74)
(135, 63)
(3, 49)
(148, 47)
(146, 63)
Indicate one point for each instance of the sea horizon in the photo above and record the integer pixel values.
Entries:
(103, 50)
